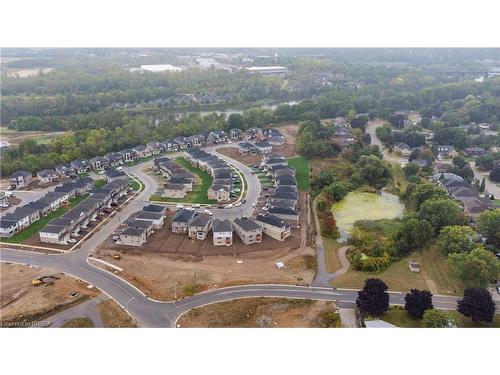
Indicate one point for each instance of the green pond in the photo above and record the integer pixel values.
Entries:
(365, 206)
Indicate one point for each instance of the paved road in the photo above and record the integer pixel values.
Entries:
(371, 129)
(150, 313)
(87, 309)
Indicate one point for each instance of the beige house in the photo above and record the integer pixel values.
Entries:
(199, 226)
(248, 230)
(274, 227)
(222, 232)
(133, 236)
(219, 193)
(174, 191)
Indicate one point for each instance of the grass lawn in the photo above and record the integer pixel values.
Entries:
(301, 166)
(399, 182)
(435, 275)
(332, 260)
(199, 193)
(79, 323)
(136, 186)
(99, 183)
(401, 318)
(39, 224)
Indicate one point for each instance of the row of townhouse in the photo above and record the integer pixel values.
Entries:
(142, 224)
(197, 226)
(179, 180)
(24, 216)
(219, 170)
(284, 199)
(60, 230)
(463, 192)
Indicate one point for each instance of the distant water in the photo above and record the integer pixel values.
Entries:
(365, 206)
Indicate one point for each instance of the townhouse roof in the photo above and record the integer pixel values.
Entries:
(262, 144)
(286, 180)
(183, 216)
(50, 228)
(246, 223)
(176, 187)
(283, 210)
(200, 220)
(149, 215)
(46, 173)
(20, 174)
(154, 208)
(135, 232)
(140, 223)
(219, 188)
(272, 220)
(222, 226)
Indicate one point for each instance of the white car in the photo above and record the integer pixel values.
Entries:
(229, 206)
(254, 204)
(119, 168)
(72, 240)
(265, 208)
(196, 205)
(208, 212)
(180, 206)
(238, 204)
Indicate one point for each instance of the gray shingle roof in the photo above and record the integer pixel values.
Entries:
(222, 226)
(246, 224)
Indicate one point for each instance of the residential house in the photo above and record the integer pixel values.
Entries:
(43, 205)
(290, 215)
(235, 133)
(286, 195)
(8, 227)
(219, 192)
(47, 176)
(56, 234)
(99, 163)
(154, 217)
(245, 148)
(181, 220)
(222, 232)
(142, 151)
(65, 170)
(128, 155)
(133, 236)
(403, 148)
(20, 179)
(113, 174)
(182, 142)
(285, 180)
(114, 159)
(474, 151)
(180, 180)
(277, 141)
(274, 227)
(170, 145)
(155, 147)
(147, 225)
(263, 147)
(159, 209)
(174, 191)
(199, 226)
(444, 151)
(217, 136)
(248, 230)
(83, 185)
(253, 133)
(4, 200)
(196, 140)
(80, 166)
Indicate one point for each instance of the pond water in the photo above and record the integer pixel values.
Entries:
(365, 206)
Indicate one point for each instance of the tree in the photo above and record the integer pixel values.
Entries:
(235, 120)
(374, 171)
(456, 239)
(437, 319)
(485, 162)
(482, 187)
(478, 305)
(373, 299)
(476, 268)
(411, 169)
(495, 173)
(418, 194)
(441, 212)
(459, 161)
(488, 224)
(336, 191)
(366, 138)
(330, 226)
(417, 301)
(412, 235)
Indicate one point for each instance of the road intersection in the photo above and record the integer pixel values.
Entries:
(151, 313)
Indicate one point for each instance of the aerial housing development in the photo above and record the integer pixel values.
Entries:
(354, 188)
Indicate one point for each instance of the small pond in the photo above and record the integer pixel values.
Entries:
(365, 206)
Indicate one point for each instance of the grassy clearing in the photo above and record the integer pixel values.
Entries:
(301, 166)
(199, 193)
(136, 186)
(39, 224)
(399, 182)
(435, 275)
(113, 316)
(401, 318)
(79, 323)
(332, 260)
(99, 183)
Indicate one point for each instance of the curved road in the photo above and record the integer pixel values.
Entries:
(150, 313)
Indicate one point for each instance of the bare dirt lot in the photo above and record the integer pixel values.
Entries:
(259, 312)
(162, 276)
(113, 316)
(21, 302)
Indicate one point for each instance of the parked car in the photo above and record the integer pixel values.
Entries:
(180, 206)
(208, 212)
(119, 168)
(196, 205)
(237, 204)
(229, 206)
(72, 240)
(265, 208)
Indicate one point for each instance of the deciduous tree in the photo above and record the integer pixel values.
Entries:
(417, 302)
(478, 305)
(373, 299)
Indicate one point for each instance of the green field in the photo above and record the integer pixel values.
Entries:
(401, 318)
(200, 189)
(39, 224)
(301, 166)
(99, 183)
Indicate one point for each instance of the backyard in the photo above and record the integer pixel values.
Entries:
(200, 189)
(39, 224)
(301, 166)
